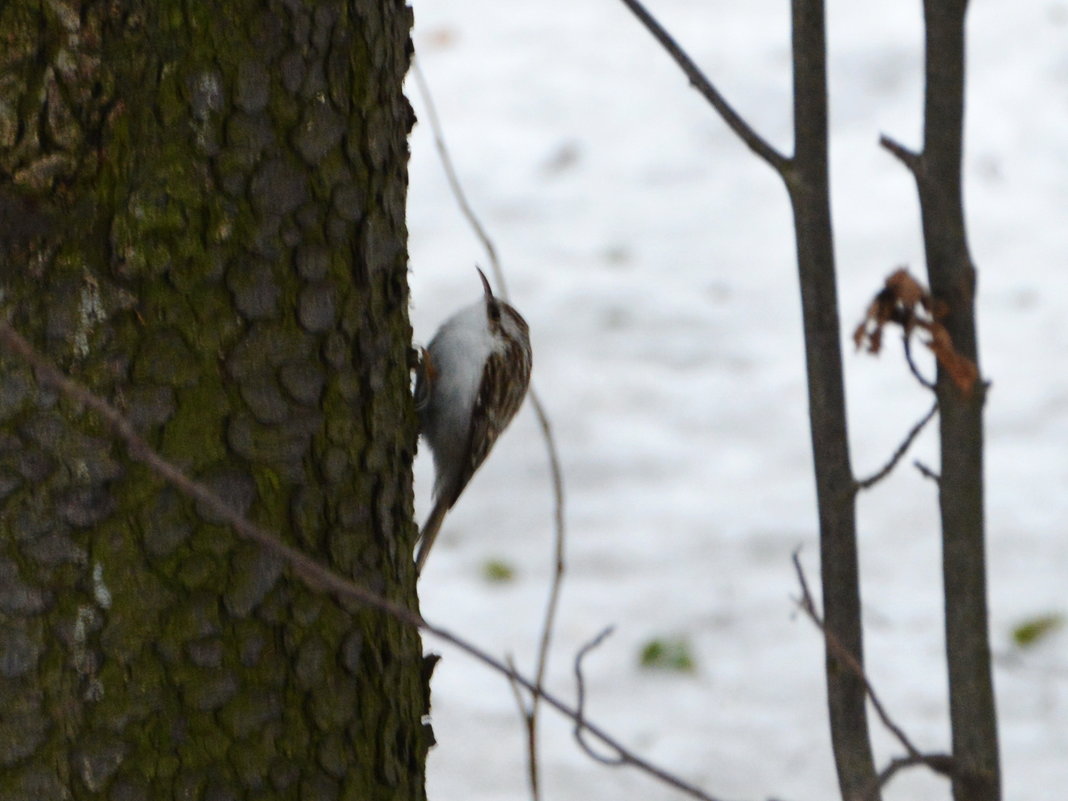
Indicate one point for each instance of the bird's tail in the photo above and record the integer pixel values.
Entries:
(430, 530)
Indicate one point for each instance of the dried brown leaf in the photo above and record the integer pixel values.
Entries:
(906, 302)
(962, 370)
(868, 333)
(896, 303)
(907, 290)
(859, 333)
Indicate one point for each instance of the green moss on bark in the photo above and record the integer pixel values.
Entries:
(211, 235)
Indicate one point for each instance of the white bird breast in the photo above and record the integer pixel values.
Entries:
(458, 353)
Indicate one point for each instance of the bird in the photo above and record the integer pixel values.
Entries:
(471, 382)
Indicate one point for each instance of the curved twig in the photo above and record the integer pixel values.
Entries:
(580, 702)
(906, 340)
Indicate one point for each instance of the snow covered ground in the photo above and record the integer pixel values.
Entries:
(653, 257)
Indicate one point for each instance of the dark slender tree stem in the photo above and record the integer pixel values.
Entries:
(952, 278)
(809, 190)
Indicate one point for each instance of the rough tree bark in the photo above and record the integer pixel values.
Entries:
(202, 218)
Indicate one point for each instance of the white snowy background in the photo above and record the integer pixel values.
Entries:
(652, 255)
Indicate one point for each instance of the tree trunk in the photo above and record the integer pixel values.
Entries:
(202, 218)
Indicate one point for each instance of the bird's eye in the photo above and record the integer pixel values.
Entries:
(493, 311)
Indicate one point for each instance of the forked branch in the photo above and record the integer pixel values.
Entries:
(909, 158)
(808, 606)
(939, 763)
(898, 454)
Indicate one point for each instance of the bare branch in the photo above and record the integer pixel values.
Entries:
(912, 160)
(808, 606)
(530, 714)
(902, 449)
(314, 574)
(580, 703)
(780, 163)
(927, 472)
(517, 691)
(552, 603)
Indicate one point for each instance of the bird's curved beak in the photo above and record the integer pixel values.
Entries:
(485, 283)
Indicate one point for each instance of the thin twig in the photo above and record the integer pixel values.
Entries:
(580, 702)
(906, 341)
(926, 471)
(808, 606)
(552, 603)
(528, 722)
(517, 691)
(902, 449)
(555, 469)
(314, 574)
(782, 164)
(909, 158)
